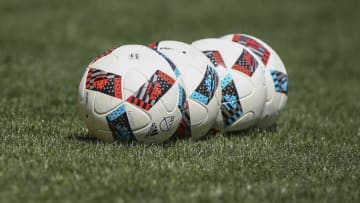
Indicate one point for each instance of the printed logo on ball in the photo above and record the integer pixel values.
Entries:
(166, 123)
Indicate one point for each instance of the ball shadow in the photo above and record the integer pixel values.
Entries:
(89, 139)
(253, 132)
(83, 137)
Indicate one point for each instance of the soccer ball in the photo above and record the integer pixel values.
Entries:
(201, 84)
(242, 82)
(275, 76)
(130, 93)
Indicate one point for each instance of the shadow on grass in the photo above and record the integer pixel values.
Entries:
(251, 132)
(84, 137)
(89, 139)
(254, 132)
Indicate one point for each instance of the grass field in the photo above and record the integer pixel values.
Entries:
(311, 155)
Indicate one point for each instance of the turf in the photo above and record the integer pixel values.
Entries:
(311, 155)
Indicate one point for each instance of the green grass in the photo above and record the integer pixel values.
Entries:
(311, 155)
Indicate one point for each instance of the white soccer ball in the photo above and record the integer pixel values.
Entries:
(275, 76)
(130, 93)
(242, 82)
(201, 84)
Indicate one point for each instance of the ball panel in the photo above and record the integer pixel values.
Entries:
(207, 87)
(231, 108)
(218, 126)
(104, 82)
(243, 84)
(118, 122)
(133, 80)
(163, 125)
(104, 103)
(94, 121)
(246, 63)
(270, 89)
(198, 113)
(152, 91)
(258, 94)
(244, 122)
(283, 101)
(184, 129)
(280, 81)
(170, 99)
(138, 118)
